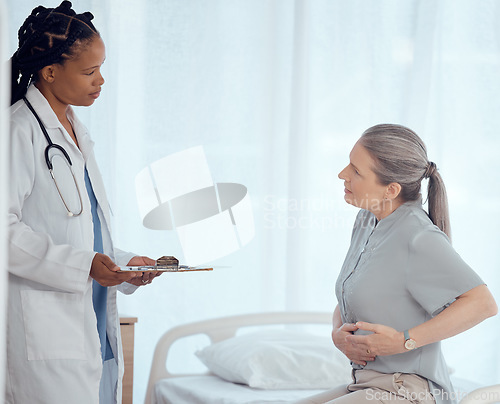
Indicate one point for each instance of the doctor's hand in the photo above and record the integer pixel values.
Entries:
(384, 340)
(145, 277)
(104, 271)
(357, 354)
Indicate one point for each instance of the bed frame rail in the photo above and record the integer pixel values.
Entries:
(219, 329)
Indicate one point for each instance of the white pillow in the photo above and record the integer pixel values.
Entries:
(278, 359)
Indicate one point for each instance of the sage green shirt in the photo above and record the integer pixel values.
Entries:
(401, 272)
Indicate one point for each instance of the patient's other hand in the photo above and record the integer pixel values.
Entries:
(382, 340)
(355, 353)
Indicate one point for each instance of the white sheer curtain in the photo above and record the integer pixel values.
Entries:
(277, 93)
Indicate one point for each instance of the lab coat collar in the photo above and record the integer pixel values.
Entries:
(42, 108)
(84, 141)
(50, 120)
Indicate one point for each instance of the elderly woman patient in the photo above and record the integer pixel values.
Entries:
(402, 288)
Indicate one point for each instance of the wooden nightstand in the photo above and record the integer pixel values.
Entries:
(127, 331)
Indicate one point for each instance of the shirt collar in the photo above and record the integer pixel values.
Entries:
(401, 210)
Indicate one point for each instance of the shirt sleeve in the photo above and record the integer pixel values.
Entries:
(437, 274)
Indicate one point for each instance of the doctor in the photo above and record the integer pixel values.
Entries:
(63, 338)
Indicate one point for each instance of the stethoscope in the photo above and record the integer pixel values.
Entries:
(49, 163)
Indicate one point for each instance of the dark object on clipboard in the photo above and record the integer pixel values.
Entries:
(165, 264)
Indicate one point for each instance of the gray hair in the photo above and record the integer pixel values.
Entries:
(401, 156)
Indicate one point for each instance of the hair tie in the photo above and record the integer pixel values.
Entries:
(430, 170)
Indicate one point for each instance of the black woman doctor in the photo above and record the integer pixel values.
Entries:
(63, 333)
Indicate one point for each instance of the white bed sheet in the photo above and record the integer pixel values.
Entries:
(463, 386)
(211, 389)
(214, 390)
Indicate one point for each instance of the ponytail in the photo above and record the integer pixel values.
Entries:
(437, 200)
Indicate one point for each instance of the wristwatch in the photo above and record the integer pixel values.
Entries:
(410, 344)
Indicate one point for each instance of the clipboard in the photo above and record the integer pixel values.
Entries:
(146, 268)
(163, 264)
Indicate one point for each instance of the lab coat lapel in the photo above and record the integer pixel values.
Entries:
(49, 118)
(100, 194)
(87, 149)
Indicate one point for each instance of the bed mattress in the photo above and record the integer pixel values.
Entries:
(214, 390)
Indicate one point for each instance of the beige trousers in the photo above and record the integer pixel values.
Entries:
(370, 386)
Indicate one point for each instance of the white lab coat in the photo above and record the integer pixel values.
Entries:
(53, 349)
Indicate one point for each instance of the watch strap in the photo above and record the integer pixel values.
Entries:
(406, 334)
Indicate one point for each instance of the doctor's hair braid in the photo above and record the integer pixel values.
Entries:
(401, 156)
(48, 36)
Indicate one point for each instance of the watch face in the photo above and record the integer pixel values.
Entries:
(410, 344)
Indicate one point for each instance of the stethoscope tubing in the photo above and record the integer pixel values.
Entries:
(49, 163)
(49, 140)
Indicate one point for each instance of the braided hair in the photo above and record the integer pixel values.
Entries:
(48, 36)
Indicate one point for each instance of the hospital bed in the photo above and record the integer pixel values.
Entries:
(165, 387)
(207, 388)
